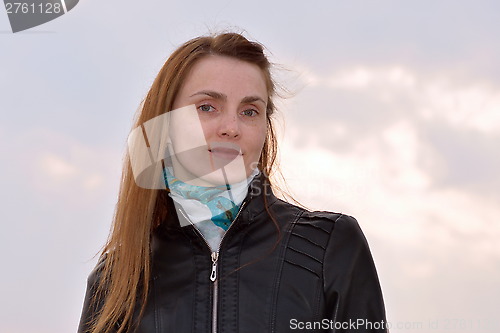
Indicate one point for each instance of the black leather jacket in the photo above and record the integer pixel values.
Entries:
(318, 276)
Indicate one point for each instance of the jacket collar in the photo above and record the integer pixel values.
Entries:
(259, 195)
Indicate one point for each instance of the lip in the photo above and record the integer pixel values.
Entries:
(225, 150)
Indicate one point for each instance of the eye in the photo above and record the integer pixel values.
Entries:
(250, 112)
(206, 108)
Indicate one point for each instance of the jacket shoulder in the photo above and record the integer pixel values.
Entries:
(96, 273)
(91, 306)
(327, 220)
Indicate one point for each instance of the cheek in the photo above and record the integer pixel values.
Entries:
(258, 139)
(186, 132)
(186, 139)
(208, 128)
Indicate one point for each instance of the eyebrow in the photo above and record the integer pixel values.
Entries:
(223, 97)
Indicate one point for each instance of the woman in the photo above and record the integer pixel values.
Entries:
(199, 242)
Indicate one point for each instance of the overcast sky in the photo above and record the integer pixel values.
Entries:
(394, 119)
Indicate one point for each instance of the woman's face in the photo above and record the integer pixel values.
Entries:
(218, 126)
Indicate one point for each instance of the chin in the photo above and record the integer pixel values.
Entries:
(231, 173)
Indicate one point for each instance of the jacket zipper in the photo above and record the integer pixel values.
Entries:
(213, 278)
(213, 273)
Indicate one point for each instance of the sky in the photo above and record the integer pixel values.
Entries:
(391, 115)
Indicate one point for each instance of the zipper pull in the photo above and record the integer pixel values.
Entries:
(215, 257)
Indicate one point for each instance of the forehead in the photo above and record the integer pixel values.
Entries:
(226, 75)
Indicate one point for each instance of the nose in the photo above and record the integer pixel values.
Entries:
(229, 126)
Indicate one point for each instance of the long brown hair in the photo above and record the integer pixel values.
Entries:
(124, 276)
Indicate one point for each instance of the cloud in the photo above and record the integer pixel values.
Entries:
(471, 105)
(456, 123)
(53, 165)
(364, 77)
(474, 106)
(411, 157)
(57, 167)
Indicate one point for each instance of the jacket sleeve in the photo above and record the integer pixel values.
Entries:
(353, 295)
(91, 308)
